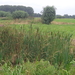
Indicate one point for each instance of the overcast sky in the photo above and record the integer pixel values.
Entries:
(63, 6)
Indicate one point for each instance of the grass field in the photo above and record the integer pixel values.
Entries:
(70, 29)
(64, 25)
(65, 20)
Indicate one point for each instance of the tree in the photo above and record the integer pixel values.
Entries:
(30, 11)
(48, 14)
(19, 14)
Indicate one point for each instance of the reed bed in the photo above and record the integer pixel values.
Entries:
(33, 45)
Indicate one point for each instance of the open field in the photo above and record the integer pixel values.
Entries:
(28, 47)
(65, 20)
(64, 25)
(61, 28)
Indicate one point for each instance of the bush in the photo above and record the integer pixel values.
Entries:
(4, 14)
(19, 14)
(48, 14)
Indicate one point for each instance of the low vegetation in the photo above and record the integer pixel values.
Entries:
(36, 68)
(30, 47)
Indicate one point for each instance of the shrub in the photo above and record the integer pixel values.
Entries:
(4, 14)
(48, 14)
(19, 14)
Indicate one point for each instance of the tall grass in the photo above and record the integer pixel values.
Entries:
(33, 45)
(10, 42)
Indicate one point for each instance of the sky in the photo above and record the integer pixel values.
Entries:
(62, 6)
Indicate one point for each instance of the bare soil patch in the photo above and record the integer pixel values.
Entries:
(60, 23)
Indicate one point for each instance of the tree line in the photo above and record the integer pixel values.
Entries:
(65, 16)
(11, 9)
(48, 13)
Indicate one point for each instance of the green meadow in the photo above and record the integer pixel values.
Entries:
(65, 20)
(36, 23)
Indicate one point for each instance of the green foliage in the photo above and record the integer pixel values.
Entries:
(19, 14)
(10, 8)
(34, 45)
(37, 15)
(44, 68)
(54, 47)
(36, 68)
(28, 68)
(48, 14)
(30, 11)
(4, 14)
(10, 42)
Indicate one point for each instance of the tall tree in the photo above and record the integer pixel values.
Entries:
(30, 11)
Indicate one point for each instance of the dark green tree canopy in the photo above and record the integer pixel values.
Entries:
(20, 14)
(30, 11)
(37, 15)
(48, 14)
(10, 8)
(4, 14)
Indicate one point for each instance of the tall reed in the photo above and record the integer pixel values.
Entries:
(23, 45)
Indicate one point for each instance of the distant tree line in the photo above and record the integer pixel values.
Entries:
(17, 11)
(65, 16)
(11, 9)
(37, 15)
